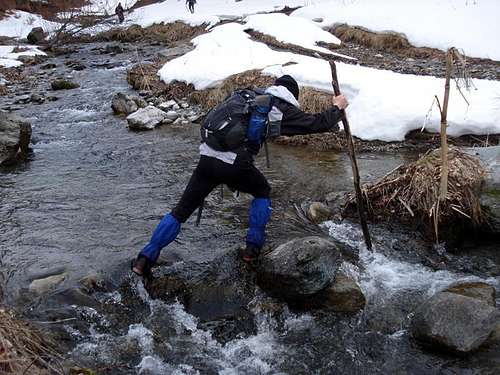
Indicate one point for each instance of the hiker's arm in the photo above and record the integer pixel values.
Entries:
(297, 122)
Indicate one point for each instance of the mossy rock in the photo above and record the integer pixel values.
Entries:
(63, 84)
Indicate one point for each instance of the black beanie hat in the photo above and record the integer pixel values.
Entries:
(288, 82)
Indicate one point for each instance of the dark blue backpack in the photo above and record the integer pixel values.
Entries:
(241, 118)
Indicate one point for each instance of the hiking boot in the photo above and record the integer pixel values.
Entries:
(250, 254)
(141, 266)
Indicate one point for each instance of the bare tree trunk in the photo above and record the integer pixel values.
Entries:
(443, 188)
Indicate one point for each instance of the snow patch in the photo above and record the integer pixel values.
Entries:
(19, 24)
(9, 59)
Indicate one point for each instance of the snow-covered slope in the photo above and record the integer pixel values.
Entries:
(384, 105)
(9, 59)
(472, 25)
(18, 24)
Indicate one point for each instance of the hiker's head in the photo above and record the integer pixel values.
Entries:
(290, 83)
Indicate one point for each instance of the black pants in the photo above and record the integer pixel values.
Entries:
(191, 7)
(211, 172)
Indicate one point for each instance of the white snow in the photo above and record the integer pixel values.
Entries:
(208, 12)
(384, 105)
(294, 30)
(9, 59)
(18, 24)
(468, 24)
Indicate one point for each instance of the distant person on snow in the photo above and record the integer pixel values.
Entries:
(119, 12)
(232, 134)
(190, 4)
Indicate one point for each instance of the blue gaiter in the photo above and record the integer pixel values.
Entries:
(165, 232)
(260, 212)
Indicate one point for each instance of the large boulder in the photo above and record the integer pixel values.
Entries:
(36, 35)
(300, 268)
(15, 136)
(146, 118)
(454, 322)
(127, 104)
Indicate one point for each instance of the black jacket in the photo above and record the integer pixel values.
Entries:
(286, 118)
(297, 122)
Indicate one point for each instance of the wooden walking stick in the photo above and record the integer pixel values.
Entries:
(354, 164)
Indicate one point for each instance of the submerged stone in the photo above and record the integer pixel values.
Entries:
(63, 84)
(41, 286)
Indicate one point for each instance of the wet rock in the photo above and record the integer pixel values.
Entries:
(344, 295)
(299, 268)
(63, 84)
(318, 212)
(167, 105)
(146, 118)
(36, 35)
(113, 48)
(23, 99)
(92, 282)
(167, 121)
(172, 115)
(15, 137)
(31, 60)
(75, 65)
(454, 322)
(194, 118)
(48, 66)
(36, 98)
(41, 286)
(127, 104)
(478, 290)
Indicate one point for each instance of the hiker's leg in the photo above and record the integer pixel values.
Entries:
(199, 186)
(252, 181)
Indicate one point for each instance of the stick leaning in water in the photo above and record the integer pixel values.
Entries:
(354, 164)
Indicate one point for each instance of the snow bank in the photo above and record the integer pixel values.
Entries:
(294, 30)
(19, 24)
(224, 51)
(470, 25)
(8, 59)
(206, 11)
(384, 105)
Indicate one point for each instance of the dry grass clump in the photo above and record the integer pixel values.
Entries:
(145, 77)
(323, 142)
(360, 35)
(23, 350)
(170, 32)
(211, 97)
(410, 193)
(310, 100)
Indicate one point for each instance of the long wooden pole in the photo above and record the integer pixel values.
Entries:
(354, 164)
(443, 188)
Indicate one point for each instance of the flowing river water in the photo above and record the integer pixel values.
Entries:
(91, 193)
